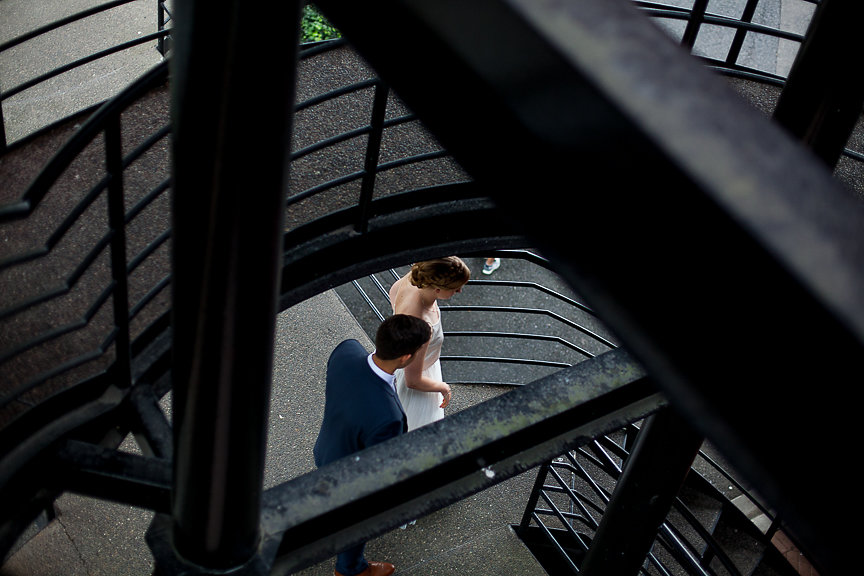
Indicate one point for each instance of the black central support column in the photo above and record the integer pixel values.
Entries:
(234, 65)
(660, 462)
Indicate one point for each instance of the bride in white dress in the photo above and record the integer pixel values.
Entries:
(421, 388)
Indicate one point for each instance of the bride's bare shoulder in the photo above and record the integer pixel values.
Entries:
(405, 298)
(396, 288)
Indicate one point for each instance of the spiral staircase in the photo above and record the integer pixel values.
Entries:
(159, 247)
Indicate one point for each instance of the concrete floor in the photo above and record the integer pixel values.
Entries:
(91, 537)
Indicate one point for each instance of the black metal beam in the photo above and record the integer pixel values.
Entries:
(231, 110)
(725, 256)
(655, 471)
(113, 475)
(149, 424)
(824, 94)
(403, 228)
(316, 515)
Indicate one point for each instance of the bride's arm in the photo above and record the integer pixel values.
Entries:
(414, 377)
(416, 380)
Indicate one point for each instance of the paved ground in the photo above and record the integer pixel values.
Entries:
(79, 88)
(474, 536)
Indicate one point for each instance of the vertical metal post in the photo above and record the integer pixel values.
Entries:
(233, 70)
(697, 17)
(535, 496)
(824, 94)
(373, 152)
(160, 25)
(741, 33)
(3, 143)
(119, 274)
(652, 476)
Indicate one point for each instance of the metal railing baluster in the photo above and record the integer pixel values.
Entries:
(117, 224)
(373, 152)
(741, 33)
(697, 16)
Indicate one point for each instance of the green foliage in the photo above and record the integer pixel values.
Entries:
(314, 27)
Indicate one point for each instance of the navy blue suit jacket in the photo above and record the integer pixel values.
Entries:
(360, 408)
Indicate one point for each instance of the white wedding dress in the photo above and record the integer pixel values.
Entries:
(424, 407)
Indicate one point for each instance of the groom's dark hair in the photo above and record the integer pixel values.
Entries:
(399, 335)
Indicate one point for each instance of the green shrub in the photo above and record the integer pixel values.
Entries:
(314, 27)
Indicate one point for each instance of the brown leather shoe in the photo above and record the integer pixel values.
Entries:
(375, 569)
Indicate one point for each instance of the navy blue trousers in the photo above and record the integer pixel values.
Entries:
(351, 561)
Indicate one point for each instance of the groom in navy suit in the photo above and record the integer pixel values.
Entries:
(361, 408)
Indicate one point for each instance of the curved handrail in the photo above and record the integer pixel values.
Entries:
(80, 62)
(374, 131)
(62, 22)
(672, 13)
(106, 115)
(358, 175)
(94, 126)
(37, 418)
(697, 15)
(115, 338)
(89, 130)
(58, 24)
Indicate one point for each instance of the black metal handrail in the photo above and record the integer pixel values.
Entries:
(61, 22)
(94, 126)
(367, 176)
(122, 355)
(697, 16)
(79, 62)
(572, 491)
(374, 131)
(72, 19)
(105, 121)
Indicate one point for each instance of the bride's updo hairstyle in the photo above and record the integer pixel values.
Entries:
(448, 273)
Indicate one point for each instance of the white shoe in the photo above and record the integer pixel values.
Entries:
(489, 268)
